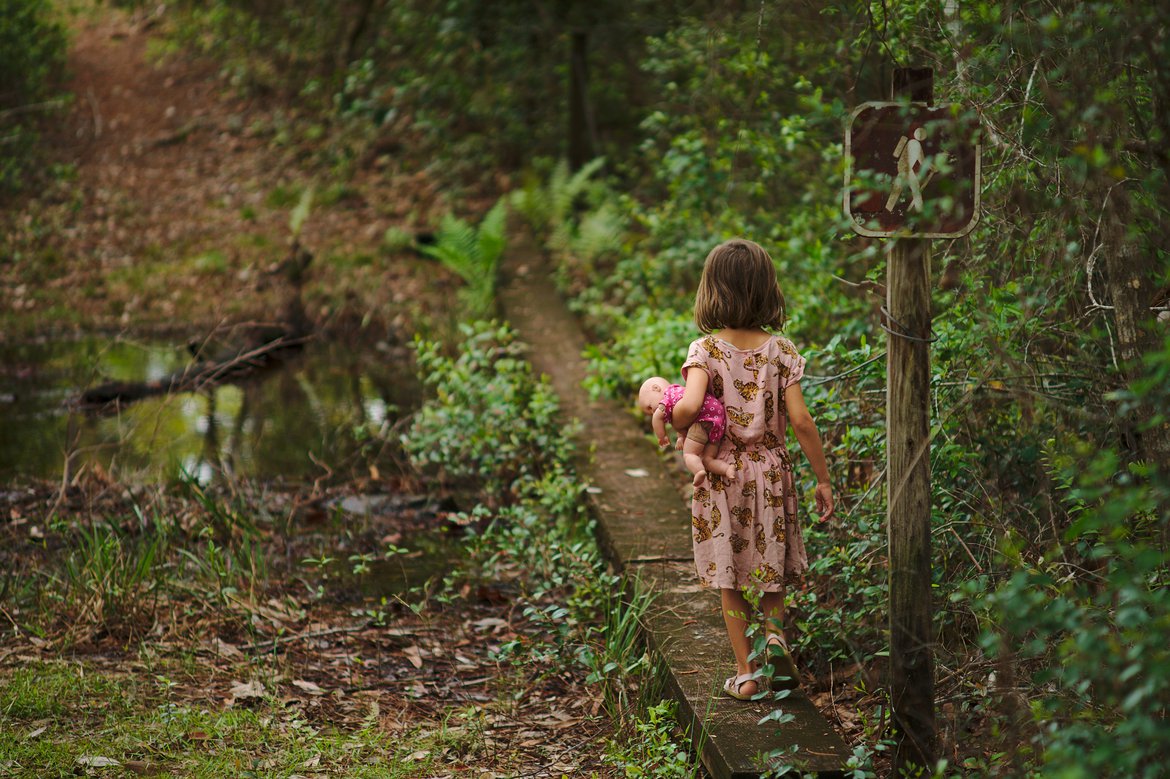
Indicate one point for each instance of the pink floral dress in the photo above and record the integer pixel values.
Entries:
(746, 531)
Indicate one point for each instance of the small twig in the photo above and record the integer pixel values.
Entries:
(868, 285)
(876, 480)
(827, 379)
(31, 107)
(274, 642)
(97, 114)
(967, 548)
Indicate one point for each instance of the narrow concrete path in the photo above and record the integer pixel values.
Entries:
(644, 525)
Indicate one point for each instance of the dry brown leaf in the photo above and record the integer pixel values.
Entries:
(222, 648)
(251, 689)
(495, 624)
(413, 655)
(309, 687)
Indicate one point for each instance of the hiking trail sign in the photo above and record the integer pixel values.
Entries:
(911, 170)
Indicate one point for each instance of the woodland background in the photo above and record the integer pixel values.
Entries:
(705, 120)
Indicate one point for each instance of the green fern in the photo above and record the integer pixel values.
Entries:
(473, 253)
(548, 209)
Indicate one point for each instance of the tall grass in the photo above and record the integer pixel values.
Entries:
(113, 579)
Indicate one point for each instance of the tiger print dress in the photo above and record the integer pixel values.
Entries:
(745, 529)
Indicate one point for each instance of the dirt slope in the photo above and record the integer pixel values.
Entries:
(179, 204)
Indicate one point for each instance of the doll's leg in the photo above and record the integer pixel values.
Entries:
(693, 457)
(713, 465)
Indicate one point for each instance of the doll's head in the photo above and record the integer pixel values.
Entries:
(739, 289)
(651, 394)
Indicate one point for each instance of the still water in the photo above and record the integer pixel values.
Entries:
(298, 421)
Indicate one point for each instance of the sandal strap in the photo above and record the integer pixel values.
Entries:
(777, 637)
(735, 682)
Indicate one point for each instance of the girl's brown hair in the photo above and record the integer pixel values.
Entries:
(739, 289)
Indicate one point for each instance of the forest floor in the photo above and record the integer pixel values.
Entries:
(173, 218)
(173, 211)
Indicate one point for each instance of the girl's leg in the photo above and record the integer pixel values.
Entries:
(785, 674)
(772, 604)
(736, 612)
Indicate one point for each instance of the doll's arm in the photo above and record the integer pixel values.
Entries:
(658, 422)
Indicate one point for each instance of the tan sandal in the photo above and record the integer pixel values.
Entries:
(785, 675)
(733, 683)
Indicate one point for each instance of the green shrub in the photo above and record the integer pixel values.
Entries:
(491, 424)
(32, 58)
(653, 751)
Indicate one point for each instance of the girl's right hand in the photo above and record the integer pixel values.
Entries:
(824, 500)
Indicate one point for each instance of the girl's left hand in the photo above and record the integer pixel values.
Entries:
(824, 500)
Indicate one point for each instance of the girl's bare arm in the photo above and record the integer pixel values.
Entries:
(810, 443)
(688, 406)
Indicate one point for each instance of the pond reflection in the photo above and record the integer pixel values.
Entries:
(295, 421)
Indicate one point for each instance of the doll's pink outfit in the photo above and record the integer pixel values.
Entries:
(711, 412)
(746, 531)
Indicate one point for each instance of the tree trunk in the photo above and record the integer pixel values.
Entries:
(1131, 285)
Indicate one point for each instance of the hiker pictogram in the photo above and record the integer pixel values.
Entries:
(911, 170)
(912, 164)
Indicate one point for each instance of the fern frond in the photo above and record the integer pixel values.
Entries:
(493, 237)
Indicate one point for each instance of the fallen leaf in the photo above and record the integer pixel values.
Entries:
(419, 755)
(413, 655)
(489, 623)
(222, 648)
(36, 732)
(97, 762)
(250, 690)
(308, 687)
(637, 473)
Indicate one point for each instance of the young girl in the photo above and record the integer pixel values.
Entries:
(747, 532)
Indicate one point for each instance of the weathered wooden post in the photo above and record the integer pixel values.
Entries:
(911, 175)
(908, 479)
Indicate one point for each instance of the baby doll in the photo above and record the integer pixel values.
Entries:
(656, 399)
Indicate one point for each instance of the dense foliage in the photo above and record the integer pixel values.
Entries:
(32, 55)
(1051, 450)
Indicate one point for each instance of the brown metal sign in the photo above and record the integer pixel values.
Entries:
(911, 170)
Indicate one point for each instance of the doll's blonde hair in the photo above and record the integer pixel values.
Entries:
(739, 289)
